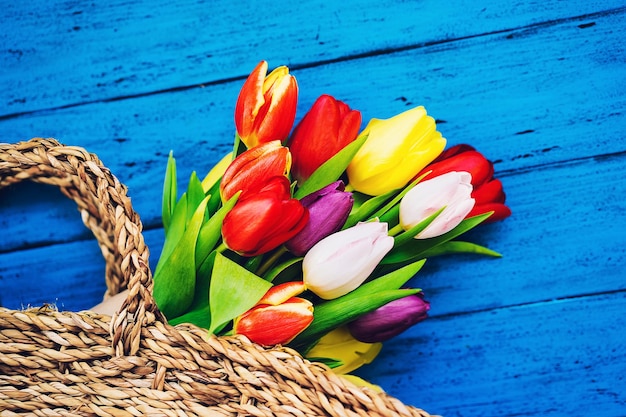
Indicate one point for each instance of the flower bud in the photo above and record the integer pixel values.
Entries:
(341, 262)
(451, 190)
(326, 129)
(340, 345)
(266, 107)
(329, 209)
(390, 320)
(278, 317)
(251, 170)
(487, 191)
(264, 220)
(396, 149)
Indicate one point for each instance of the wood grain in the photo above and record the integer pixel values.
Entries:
(555, 358)
(540, 88)
(538, 264)
(515, 110)
(69, 53)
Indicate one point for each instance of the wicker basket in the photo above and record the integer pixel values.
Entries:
(134, 364)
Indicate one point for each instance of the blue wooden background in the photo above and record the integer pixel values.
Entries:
(539, 87)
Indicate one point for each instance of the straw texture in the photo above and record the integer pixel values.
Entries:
(135, 364)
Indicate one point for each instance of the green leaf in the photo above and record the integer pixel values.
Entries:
(396, 200)
(459, 247)
(407, 236)
(416, 248)
(387, 213)
(234, 290)
(392, 216)
(238, 146)
(330, 362)
(365, 210)
(369, 296)
(176, 230)
(279, 269)
(200, 317)
(203, 280)
(169, 192)
(253, 263)
(211, 231)
(195, 194)
(214, 176)
(332, 314)
(216, 200)
(175, 278)
(330, 170)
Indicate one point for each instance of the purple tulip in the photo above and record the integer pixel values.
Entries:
(390, 320)
(328, 211)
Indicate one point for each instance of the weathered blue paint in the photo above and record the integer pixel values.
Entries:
(541, 89)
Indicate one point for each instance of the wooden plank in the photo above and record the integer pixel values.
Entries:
(523, 109)
(56, 54)
(565, 238)
(556, 358)
(556, 245)
(69, 275)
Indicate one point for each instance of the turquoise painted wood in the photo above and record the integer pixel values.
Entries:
(539, 88)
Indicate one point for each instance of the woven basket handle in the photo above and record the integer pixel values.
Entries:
(107, 211)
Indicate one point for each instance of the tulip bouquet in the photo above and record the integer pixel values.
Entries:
(308, 237)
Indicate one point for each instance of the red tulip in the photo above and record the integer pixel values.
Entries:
(250, 171)
(266, 107)
(326, 129)
(487, 191)
(264, 220)
(278, 317)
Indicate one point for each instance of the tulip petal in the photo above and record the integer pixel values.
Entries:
(471, 161)
(280, 293)
(451, 190)
(491, 192)
(390, 320)
(341, 345)
(341, 262)
(251, 170)
(264, 220)
(275, 325)
(328, 210)
(250, 100)
(396, 150)
(275, 120)
(324, 130)
(500, 211)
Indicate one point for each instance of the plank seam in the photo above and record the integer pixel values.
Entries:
(527, 304)
(353, 57)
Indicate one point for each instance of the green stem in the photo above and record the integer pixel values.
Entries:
(270, 261)
(236, 143)
(221, 248)
(395, 230)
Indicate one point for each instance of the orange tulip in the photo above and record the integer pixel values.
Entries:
(266, 107)
(251, 170)
(278, 317)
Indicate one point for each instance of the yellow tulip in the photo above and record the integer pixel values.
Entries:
(340, 345)
(360, 382)
(395, 151)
